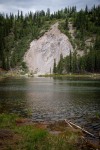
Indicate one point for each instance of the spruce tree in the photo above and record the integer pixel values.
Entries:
(54, 67)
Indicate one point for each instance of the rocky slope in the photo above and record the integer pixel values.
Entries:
(42, 52)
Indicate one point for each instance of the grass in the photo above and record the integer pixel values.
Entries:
(90, 75)
(97, 115)
(7, 120)
(14, 135)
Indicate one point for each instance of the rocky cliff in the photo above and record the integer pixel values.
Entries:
(42, 52)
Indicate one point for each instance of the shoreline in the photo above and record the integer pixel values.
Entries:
(90, 75)
(12, 126)
(71, 75)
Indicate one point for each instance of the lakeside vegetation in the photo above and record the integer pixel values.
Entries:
(83, 31)
(89, 75)
(19, 133)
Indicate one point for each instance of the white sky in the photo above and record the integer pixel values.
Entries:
(7, 6)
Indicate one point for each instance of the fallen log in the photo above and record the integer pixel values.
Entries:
(68, 123)
(78, 127)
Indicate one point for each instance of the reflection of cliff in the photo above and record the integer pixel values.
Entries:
(40, 57)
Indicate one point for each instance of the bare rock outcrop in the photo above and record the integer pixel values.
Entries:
(42, 52)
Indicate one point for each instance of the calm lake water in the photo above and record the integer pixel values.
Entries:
(48, 99)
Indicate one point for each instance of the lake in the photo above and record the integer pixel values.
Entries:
(49, 99)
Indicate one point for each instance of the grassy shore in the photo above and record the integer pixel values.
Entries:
(90, 75)
(22, 134)
(5, 74)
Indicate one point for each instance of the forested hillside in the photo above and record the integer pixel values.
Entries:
(82, 28)
(16, 33)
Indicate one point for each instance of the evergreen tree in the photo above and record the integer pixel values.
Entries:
(60, 65)
(54, 67)
(17, 31)
(70, 67)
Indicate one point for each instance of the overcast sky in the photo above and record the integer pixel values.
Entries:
(8, 6)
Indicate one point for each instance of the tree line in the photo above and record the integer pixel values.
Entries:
(87, 26)
(17, 31)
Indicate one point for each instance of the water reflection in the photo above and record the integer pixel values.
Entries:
(50, 99)
(12, 97)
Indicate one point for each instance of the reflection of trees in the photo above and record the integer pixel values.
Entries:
(47, 98)
(13, 97)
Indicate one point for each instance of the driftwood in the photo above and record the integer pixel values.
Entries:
(68, 123)
(78, 127)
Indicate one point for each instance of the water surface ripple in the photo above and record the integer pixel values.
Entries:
(48, 99)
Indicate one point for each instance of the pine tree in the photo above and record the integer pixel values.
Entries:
(60, 65)
(70, 68)
(54, 67)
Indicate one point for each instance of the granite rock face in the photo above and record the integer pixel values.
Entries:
(42, 52)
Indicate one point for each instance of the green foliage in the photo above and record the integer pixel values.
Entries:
(7, 120)
(60, 65)
(64, 28)
(54, 67)
(30, 137)
(33, 137)
(85, 27)
(24, 66)
(17, 31)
